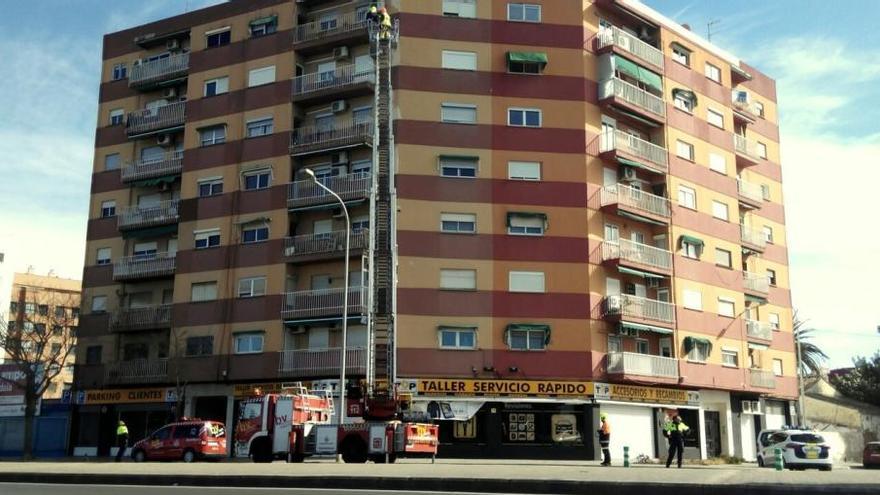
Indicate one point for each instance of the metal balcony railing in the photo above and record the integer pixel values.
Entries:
(349, 187)
(156, 119)
(633, 95)
(148, 318)
(634, 252)
(341, 78)
(630, 363)
(753, 238)
(756, 282)
(170, 163)
(747, 147)
(135, 217)
(759, 330)
(144, 266)
(620, 38)
(653, 156)
(321, 362)
(319, 138)
(149, 73)
(328, 27)
(626, 305)
(330, 242)
(635, 199)
(750, 192)
(323, 303)
(762, 379)
(137, 371)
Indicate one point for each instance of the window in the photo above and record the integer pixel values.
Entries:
(212, 135)
(99, 304)
(458, 223)
(713, 73)
(765, 192)
(210, 187)
(700, 352)
(693, 299)
(715, 118)
(207, 238)
(117, 116)
(458, 279)
(773, 318)
(771, 275)
(717, 163)
(257, 179)
(524, 117)
(458, 166)
(216, 86)
(459, 60)
(690, 249)
(642, 346)
(777, 367)
(458, 338)
(458, 113)
(93, 354)
(614, 344)
(252, 287)
(203, 291)
(762, 150)
(723, 258)
(260, 127)
(111, 161)
(30, 308)
(103, 256)
(684, 150)
(200, 346)
(108, 209)
(248, 343)
(759, 107)
(522, 339)
(523, 12)
(720, 210)
(730, 357)
(726, 307)
(119, 72)
(262, 27)
(218, 37)
(524, 170)
(684, 100)
(460, 8)
(768, 233)
(263, 75)
(254, 233)
(525, 67)
(687, 197)
(526, 282)
(526, 224)
(360, 223)
(681, 55)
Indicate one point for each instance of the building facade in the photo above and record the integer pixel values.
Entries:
(556, 208)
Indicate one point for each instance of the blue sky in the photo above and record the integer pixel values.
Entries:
(823, 55)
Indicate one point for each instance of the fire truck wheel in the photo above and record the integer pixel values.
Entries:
(354, 450)
(139, 455)
(261, 451)
(189, 455)
(297, 458)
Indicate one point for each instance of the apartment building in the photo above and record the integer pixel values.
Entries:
(556, 208)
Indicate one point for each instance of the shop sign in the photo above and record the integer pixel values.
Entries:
(492, 388)
(126, 396)
(244, 390)
(633, 393)
(17, 410)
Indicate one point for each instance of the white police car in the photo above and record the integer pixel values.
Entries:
(800, 449)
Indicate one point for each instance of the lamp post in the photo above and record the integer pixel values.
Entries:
(342, 405)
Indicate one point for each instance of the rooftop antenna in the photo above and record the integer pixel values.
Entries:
(709, 28)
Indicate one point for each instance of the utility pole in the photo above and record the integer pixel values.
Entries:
(801, 413)
(709, 28)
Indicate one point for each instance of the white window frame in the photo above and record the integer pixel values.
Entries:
(525, 112)
(687, 197)
(528, 224)
(261, 76)
(458, 279)
(214, 137)
(255, 336)
(762, 150)
(692, 299)
(251, 287)
(773, 319)
(203, 291)
(211, 182)
(712, 72)
(215, 32)
(453, 8)
(718, 163)
(726, 353)
(208, 236)
(726, 307)
(772, 277)
(530, 282)
(119, 72)
(257, 228)
(719, 251)
(221, 86)
(458, 163)
(457, 331)
(99, 304)
(458, 60)
(460, 221)
(522, 170)
(117, 116)
(699, 354)
(683, 103)
(108, 208)
(528, 334)
(445, 118)
(103, 256)
(720, 210)
(681, 55)
(258, 127)
(767, 232)
(256, 173)
(690, 250)
(114, 163)
(777, 367)
(715, 118)
(525, 7)
(759, 107)
(686, 148)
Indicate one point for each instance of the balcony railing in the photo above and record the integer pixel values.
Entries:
(330, 242)
(634, 252)
(147, 318)
(744, 107)
(323, 303)
(321, 362)
(750, 192)
(753, 238)
(653, 155)
(349, 187)
(762, 379)
(756, 282)
(747, 147)
(137, 371)
(144, 266)
(340, 78)
(759, 330)
(635, 199)
(321, 29)
(156, 119)
(643, 308)
(319, 138)
(149, 73)
(135, 217)
(630, 363)
(170, 163)
(620, 38)
(633, 95)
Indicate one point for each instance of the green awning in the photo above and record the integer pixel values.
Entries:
(264, 20)
(691, 342)
(639, 218)
(525, 214)
(527, 326)
(644, 328)
(638, 273)
(156, 181)
(756, 299)
(527, 57)
(638, 73)
(691, 240)
(150, 232)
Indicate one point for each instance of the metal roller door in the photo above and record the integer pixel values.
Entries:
(774, 414)
(632, 426)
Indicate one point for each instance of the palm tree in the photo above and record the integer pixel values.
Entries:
(811, 356)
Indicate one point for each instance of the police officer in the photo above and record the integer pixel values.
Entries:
(121, 440)
(604, 432)
(674, 431)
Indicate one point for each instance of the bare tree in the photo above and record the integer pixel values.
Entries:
(39, 341)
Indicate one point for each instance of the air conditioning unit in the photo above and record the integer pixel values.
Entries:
(169, 93)
(340, 158)
(340, 52)
(746, 406)
(756, 407)
(338, 213)
(653, 283)
(138, 62)
(172, 45)
(164, 140)
(338, 106)
(627, 172)
(623, 42)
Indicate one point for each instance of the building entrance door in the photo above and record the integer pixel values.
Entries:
(713, 433)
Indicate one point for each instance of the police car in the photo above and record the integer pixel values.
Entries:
(800, 449)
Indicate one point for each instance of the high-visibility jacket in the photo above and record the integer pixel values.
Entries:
(675, 432)
(386, 20)
(605, 431)
(121, 430)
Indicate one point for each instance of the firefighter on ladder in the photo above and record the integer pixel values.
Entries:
(384, 24)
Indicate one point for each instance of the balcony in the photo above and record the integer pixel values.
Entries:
(619, 92)
(314, 363)
(138, 217)
(759, 330)
(306, 194)
(636, 255)
(317, 139)
(137, 371)
(344, 82)
(323, 303)
(648, 155)
(621, 41)
(750, 195)
(148, 318)
(762, 379)
(755, 283)
(339, 30)
(323, 245)
(625, 199)
(151, 74)
(169, 164)
(630, 363)
(144, 266)
(744, 110)
(746, 148)
(753, 240)
(628, 307)
(153, 120)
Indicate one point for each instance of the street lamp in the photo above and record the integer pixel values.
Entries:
(342, 405)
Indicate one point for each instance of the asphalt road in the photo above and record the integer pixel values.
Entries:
(43, 489)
